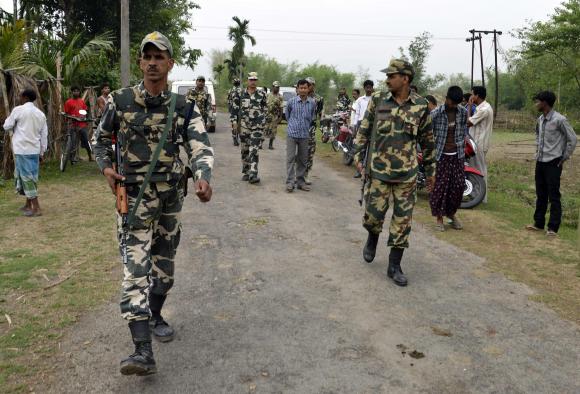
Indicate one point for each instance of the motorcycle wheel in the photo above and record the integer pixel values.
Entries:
(347, 158)
(334, 145)
(474, 191)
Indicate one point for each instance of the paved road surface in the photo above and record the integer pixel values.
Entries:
(272, 296)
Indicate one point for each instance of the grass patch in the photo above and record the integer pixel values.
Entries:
(53, 268)
(495, 230)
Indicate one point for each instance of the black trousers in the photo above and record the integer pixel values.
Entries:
(548, 190)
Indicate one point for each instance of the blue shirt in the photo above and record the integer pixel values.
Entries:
(299, 115)
(441, 127)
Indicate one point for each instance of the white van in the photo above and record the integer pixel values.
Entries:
(287, 93)
(181, 87)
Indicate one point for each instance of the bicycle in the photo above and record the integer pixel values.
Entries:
(68, 149)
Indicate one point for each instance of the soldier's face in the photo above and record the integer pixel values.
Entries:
(155, 63)
(342, 92)
(200, 84)
(252, 83)
(395, 82)
(275, 90)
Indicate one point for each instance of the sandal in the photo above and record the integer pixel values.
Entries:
(440, 227)
(456, 224)
(532, 227)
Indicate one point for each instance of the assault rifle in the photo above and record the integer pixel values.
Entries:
(122, 202)
(365, 176)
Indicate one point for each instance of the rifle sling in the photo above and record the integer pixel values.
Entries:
(154, 159)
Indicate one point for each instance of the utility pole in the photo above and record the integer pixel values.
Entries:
(125, 43)
(15, 2)
(472, 39)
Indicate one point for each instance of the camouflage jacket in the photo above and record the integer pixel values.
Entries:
(250, 110)
(319, 100)
(275, 106)
(202, 100)
(137, 121)
(343, 104)
(397, 128)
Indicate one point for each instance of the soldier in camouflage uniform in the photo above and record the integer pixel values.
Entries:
(233, 119)
(274, 116)
(250, 106)
(312, 139)
(342, 102)
(136, 117)
(392, 125)
(201, 97)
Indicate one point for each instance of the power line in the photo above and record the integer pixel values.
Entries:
(384, 36)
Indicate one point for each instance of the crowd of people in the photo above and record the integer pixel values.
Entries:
(148, 124)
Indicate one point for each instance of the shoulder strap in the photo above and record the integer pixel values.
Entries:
(154, 159)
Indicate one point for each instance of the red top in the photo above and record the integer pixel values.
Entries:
(72, 107)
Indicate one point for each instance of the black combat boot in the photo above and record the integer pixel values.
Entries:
(271, 145)
(159, 327)
(141, 362)
(236, 142)
(370, 249)
(394, 271)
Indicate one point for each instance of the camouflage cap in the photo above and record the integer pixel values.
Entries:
(236, 80)
(200, 78)
(399, 66)
(159, 40)
(276, 84)
(253, 75)
(311, 81)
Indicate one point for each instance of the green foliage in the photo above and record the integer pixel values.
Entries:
(94, 18)
(12, 40)
(417, 53)
(238, 34)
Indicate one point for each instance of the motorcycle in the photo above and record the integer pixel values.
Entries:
(335, 130)
(474, 192)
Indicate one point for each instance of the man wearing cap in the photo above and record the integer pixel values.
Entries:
(136, 118)
(391, 127)
(234, 90)
(275, 108)
(250, 107)
(319, 100)
(201, 98)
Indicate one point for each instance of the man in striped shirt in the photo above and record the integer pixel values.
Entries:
(300, 112)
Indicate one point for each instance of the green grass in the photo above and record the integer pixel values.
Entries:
(53, 268)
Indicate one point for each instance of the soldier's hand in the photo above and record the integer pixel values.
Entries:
(112, 178)
(203, 190)
(430, 183)
(360, 168)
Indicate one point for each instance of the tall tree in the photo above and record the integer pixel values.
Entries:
(417, 53)
(238, 34)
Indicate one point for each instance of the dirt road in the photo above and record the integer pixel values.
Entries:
(272, 296)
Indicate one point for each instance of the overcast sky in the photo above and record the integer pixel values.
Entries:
(394, 22)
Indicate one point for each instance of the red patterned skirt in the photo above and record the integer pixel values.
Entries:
(447, 194)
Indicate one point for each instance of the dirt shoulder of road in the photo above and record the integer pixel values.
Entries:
(53, 268)
(496, 231)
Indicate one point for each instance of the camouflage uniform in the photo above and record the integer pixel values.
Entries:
(392, 163)
(312, 138)
(232, 93)
(202, 100)
(250, 113)
(274, 115)
(343, 104)
(138, 120)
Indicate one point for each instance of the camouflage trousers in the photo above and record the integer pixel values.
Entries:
(151, 245)
(234, 124)
(311, 147)
(271, 128)
(250, 141)
(377, 196)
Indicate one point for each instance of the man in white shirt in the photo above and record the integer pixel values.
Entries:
(481, 127)
(29, 143)
(360, 107)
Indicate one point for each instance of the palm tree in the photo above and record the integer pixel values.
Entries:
(238, 34)
(41, 58)
(12, 41)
